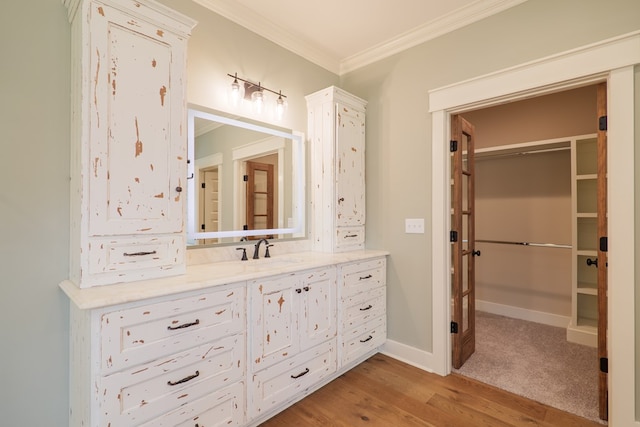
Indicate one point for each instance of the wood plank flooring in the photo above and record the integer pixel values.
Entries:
(385, 392)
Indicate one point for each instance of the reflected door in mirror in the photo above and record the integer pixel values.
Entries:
(208, 217)
(260, 197)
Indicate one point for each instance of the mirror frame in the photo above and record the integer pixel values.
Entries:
(298, 178)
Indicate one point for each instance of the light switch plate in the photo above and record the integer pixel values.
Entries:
(414, 225)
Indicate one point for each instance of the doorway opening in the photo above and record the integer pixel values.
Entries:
(611, 60)
(524, 183)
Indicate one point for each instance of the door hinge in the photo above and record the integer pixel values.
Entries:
(203, 185)
(245, 227)
(454, 328)
(604, 244)
(245, 178)
(202, 227)
(602, 123)
(453, 145)
(604, 365)
(453, 236)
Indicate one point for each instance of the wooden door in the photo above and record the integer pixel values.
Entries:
(260, 189)
(602, 251)
(209, 209)
(463, 240)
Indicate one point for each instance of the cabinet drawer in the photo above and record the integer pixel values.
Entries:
(224, 407)
(348, 238)
(144, 392)
(148, 332)
(363, 338)
(281, 382)
(123, 254)
(363, 276)
(363, 307)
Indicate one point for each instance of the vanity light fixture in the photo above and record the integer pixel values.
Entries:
(236, 91)
(281, 105)
(256, 94)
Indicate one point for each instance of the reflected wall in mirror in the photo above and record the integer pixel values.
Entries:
(246, 180)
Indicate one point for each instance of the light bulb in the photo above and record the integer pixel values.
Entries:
(258, 101)
(280, 106)
(236, 93)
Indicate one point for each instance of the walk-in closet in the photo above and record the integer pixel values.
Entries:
(535, 216)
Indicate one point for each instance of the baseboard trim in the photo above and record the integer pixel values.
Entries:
(582, 335)
(421, 359)
(523, 314)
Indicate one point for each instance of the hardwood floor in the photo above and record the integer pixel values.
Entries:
(385, 392)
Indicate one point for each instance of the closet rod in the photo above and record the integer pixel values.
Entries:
(542, 245)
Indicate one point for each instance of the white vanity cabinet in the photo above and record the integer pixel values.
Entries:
(336, 127)
(227, 344)
(161, 362)
(363, 308)
(128, 167)
(294, 332)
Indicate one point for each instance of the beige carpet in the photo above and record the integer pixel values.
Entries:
(535, 361)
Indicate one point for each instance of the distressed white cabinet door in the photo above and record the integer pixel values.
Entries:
(336, 124)
(350, 182)
(318, 308)
(274, 307)
(136, 167)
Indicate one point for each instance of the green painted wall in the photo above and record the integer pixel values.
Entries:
(399, 127)
(34, 207)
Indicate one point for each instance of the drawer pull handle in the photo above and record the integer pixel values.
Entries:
(369, 276)
(185, 379)
(184, 325)
(369, 307)
(140, 253)
(305, 372)
(306, 289)
(368, 339)
(350, 235)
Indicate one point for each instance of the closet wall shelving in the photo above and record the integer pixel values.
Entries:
(584, 317)
(583, 323)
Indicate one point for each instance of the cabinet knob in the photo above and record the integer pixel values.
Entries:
(179, 189)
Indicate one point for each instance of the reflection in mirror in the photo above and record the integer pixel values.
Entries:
(246, 180)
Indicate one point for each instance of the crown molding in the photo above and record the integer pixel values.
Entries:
(72, 7)
(256, 23)
(152, 11)
(447, 23)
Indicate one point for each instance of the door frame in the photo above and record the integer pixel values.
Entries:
(612, 61)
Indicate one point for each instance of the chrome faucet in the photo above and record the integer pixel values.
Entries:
(256, 252)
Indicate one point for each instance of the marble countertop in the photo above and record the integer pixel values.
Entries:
(203, 276)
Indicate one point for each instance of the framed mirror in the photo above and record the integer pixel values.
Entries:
(246, 179)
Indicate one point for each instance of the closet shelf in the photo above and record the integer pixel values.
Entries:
(587, 291)
(586, 215)
(587, 176)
